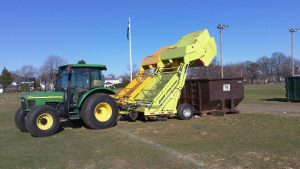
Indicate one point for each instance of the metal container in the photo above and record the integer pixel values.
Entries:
(213, 95)
(292, 88)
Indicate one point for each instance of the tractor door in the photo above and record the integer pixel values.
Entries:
(82, 80)
(79, 84)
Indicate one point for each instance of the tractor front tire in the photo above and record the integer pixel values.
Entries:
(20, 120)
(42, 121)
(99, 111)
(185, 111)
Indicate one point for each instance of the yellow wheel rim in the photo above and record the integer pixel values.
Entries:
(103, 112)
(44, 121)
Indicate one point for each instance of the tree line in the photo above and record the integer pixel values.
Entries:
(266, 69)
(26, 73)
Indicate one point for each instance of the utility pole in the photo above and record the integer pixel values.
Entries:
(292, 30)
(221, 27)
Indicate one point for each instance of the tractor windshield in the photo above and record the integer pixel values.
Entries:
(62, 80)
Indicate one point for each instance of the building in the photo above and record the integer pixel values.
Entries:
(112, 82)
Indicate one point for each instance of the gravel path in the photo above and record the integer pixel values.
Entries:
(290, 109)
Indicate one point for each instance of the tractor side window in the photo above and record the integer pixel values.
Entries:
(62, 81)
(96, 78)
(80, 79)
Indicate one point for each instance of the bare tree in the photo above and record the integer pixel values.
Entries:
(214, 70)
(252, 72)
(277, 60)
(27, 71)
(17, 76)
(49, 68)
(53, 62)
(286, 67)
(111, 76)
(297, 64)
(265, 67)
(126, 76)
(233, 70)
(203, 72)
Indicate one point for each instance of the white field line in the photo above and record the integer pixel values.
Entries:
(165, 149)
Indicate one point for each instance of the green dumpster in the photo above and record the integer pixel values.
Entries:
(292, 88)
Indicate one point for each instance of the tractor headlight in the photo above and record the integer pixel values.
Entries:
(23, 104)
(30, 104)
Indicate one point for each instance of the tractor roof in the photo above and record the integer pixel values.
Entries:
(85, 66)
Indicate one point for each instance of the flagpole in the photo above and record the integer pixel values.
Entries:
(129, 39)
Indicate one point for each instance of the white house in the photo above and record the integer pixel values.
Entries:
(114, 81)
(108, 84)
(1, 89)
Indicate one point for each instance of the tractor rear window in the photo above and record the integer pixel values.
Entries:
(96, 78)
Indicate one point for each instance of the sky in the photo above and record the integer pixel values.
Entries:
(95, 30)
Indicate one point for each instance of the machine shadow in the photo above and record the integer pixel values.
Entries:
(71, 124)
(74, 124)
(276, 100)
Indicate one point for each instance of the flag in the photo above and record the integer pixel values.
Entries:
(128, 29)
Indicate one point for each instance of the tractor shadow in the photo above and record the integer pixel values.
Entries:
(74, 124)
(276, 100)
(71, 124)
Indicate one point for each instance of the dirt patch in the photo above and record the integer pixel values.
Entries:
(278, 109)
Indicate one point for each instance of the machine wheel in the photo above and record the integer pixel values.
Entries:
(42, 121)
(133, 115)
(20, 120)
(185, 111)
(99, 111)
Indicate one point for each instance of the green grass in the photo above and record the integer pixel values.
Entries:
(264, 93)
(10, 97)
(233, 141)
(245, 140)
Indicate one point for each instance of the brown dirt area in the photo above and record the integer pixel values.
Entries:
(276, 109)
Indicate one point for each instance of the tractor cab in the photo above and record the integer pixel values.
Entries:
(79, 77)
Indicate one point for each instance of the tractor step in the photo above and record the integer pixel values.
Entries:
(74, 115)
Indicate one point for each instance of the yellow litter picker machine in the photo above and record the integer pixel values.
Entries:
(155, 91)
(148, 68)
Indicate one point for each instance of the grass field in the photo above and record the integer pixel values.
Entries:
(264, 93)
(244, 140)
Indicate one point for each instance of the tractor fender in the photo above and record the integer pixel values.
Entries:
(93, 91)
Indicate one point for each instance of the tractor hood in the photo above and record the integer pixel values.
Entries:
(29, 100)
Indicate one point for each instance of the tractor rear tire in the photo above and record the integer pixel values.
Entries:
(20, 120)
(185, 111)
(42, 121)
(99, 111)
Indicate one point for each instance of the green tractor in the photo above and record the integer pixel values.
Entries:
(79, 94)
